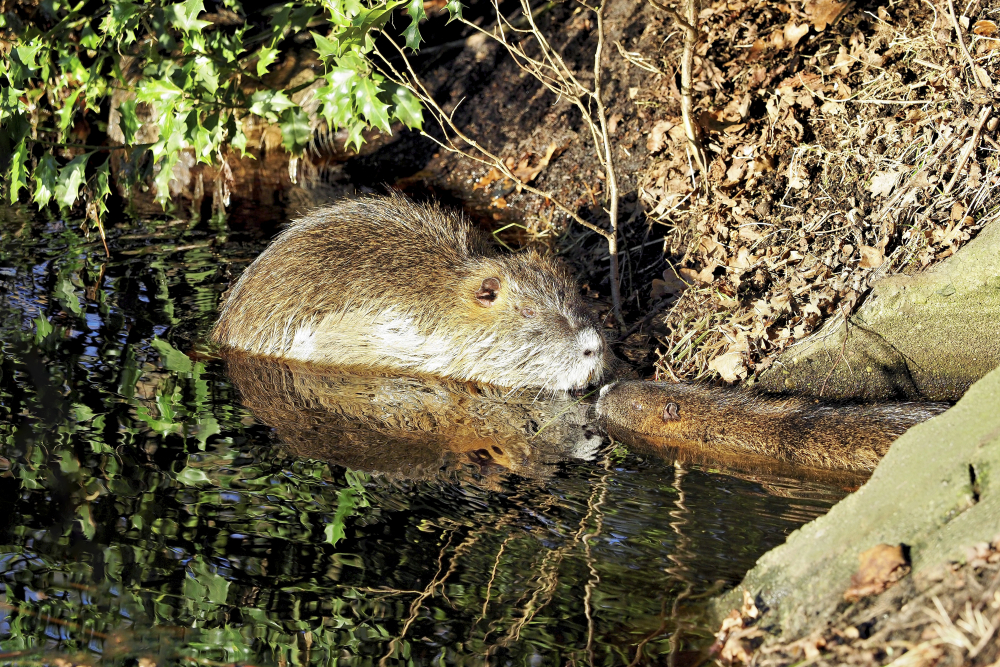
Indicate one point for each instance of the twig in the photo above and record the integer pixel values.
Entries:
(609, 169)
(674, 15)
(447, 123)
(691, 34)
(970, 147)
(687, 103)
(961, 44)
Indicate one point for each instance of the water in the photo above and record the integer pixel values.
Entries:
(148, 515)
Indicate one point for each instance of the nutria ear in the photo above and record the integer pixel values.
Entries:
(670, 412)
(487, 293)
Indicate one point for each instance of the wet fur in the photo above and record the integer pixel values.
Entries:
(798, 430)
(384, 283)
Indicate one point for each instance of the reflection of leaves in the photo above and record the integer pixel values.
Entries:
(65, 292)
(193, 477)
(203, 585)
(334, 530)
(172, 358)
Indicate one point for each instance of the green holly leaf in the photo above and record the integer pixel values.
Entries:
(66, 112)
(117, 21)
(370, 106)
(26, 54)
(102, 187)
(163, 178)
(415, 8)
(325, 47)
(158, 92)
(412, 36)
(128, 121)
(354, 136)
(45, 176)
(265, 57)
(71, 178)
(89, 38)
(454, 8)
(269, 104)
(237, 139)
(336, 98)
(18, 175)
(408, 109)
(207, 73)
(295, 130)
(184, 15)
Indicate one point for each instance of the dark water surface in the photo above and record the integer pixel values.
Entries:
(146, 514)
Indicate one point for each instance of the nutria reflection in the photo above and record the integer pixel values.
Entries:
(410, 428)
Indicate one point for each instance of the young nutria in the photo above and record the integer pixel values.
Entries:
(798, 430)
(385, 283)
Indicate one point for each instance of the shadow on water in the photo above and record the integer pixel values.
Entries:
(155, 507)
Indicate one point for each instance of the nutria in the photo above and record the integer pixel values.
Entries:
(798, 430)
(386, 283)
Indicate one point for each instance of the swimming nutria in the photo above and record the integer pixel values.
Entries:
(799, 430)
(385, 283)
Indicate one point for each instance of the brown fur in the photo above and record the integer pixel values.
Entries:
(384, 283)
(798, 430)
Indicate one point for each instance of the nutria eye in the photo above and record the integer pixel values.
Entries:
(637, 406)
(671, 412)
(527, 312)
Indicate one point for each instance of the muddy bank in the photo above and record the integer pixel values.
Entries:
(935, 495)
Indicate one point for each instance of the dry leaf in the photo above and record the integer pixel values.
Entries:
(984, 78)
(703, 276)
(984, 28)
(490, 177)
(871, 258)
(749, 609)
(884, 183)
(736, 172)
(826, 12)
(842, 65)
(657, 136)
(671, 285)
(879, 568)
(529, 173)
(613, 123)
(793, 33)
(729, 366)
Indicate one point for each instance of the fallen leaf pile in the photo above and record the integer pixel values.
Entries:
(818, 185)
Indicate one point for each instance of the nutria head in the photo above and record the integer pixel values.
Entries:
(519, 321)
